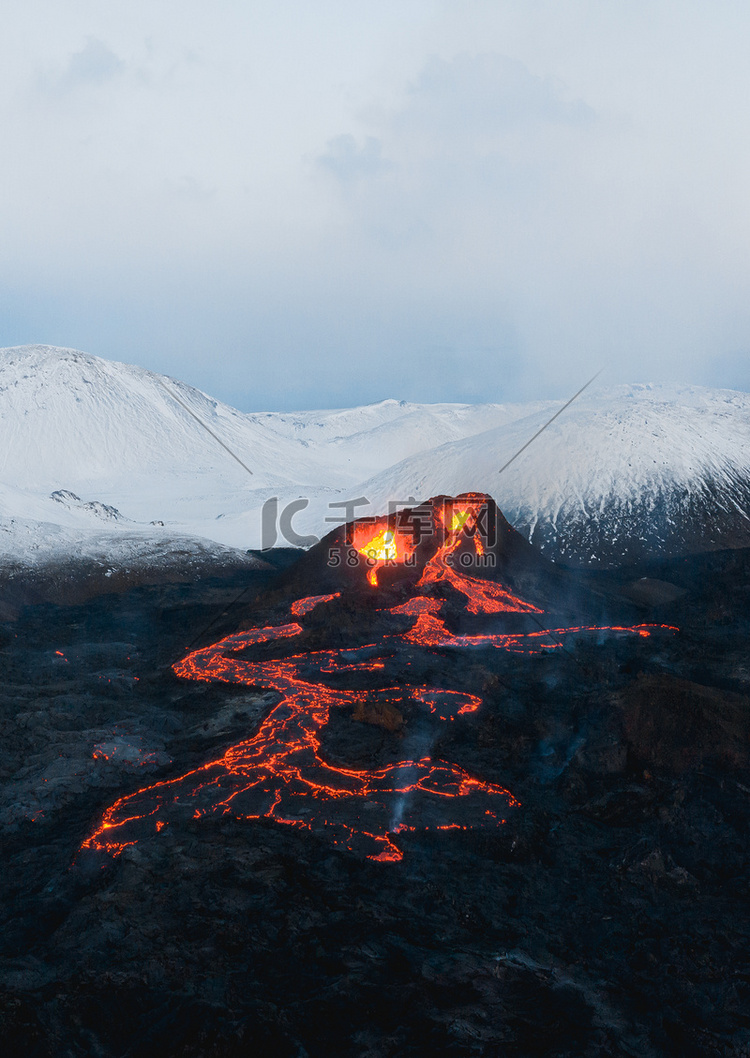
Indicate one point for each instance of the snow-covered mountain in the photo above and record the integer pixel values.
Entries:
(623, 474)
(95, 450)
(84, 441)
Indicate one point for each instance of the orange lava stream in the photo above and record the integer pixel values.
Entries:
(302, 606)
(280, 773)
(484, 596)
(430, 631)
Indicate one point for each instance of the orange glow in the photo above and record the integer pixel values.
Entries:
(483, 596)
(280, 772)
(382, 547)
(463, 519)
(303, 606)
(390, 854)
(417, 606)
(386, 546)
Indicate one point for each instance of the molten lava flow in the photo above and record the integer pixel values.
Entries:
(447, 704)
(428, 630)
(302, 606)
(484, 596)
(546, 638)
(419, 605)
(386, 547)
(459, 524)
(281, 772)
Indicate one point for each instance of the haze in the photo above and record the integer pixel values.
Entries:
(319, 204)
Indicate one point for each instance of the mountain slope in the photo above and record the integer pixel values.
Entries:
(72, 417)
(623, 474)
(113, 436)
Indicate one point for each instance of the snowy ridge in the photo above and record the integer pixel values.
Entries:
(623, 474)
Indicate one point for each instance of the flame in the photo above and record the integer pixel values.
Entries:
(386, 547)
(382, 547)
(463, 519)
(458, 521)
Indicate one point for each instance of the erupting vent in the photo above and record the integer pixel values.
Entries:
(281, 772)
(386, 546)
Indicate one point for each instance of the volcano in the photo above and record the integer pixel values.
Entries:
(384, 599)
(292, 825)
(625, 475)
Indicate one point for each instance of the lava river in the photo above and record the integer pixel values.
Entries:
(281, 772)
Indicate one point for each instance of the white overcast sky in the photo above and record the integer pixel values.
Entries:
(300, 203)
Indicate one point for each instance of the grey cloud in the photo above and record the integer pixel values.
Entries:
(349, 162)
(188, 188)
(480, 230)
(95, 64)
(487, 93)
(475, 144)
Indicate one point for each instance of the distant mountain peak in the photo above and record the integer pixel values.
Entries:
(625, 473)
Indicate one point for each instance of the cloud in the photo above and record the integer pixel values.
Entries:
(350, 162)
(486, 94)
(478, 148)
(474, 132)
(474, 200)
(94, 65)
(189, 189)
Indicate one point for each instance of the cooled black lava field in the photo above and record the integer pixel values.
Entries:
(598, 905)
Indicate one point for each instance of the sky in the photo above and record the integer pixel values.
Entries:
(320, 203)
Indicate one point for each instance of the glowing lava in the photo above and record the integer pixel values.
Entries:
(386, 547)
(281, 773)
(302, 606)
(461, 524)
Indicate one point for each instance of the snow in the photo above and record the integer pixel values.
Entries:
(617, 444)
(122, 455)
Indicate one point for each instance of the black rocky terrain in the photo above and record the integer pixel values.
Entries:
(608, 917)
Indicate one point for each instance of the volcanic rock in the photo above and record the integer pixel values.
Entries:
(380, 714)
(606, 917)
(676, 724)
